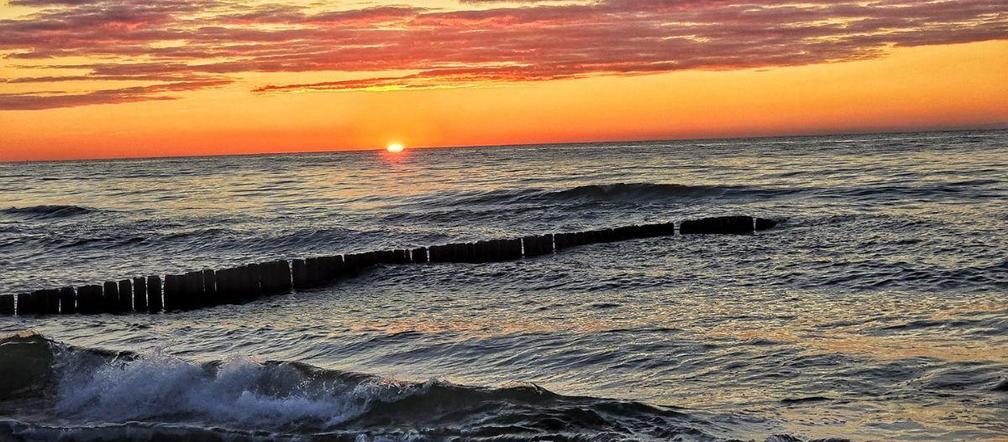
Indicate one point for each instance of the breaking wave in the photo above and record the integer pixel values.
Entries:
(105, 395)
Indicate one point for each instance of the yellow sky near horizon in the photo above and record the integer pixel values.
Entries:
(924, 87)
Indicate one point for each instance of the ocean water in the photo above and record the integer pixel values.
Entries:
(877, 311)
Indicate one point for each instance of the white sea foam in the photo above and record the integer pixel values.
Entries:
(240, 391)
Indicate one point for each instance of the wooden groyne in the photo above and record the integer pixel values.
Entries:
(207, 288)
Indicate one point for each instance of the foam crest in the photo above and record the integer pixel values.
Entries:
(239, 391)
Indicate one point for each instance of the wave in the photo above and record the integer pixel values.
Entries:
(615, 192)
(48, 211)
(89, 394)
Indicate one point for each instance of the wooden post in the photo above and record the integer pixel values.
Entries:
(340, 267)
(438, 253)
(315, 269)
(724, 225)
(174, 292)
(419, 255)
(140, 294)
(275, 277)
(110, 297)
(564, 240)
(228, 285)
(89, 299)
(7, 305)
(195, 291)
(300, 274)
(765, 224)
(210, 296)
(67, 301)
(402, 256)
(250, 280)
(40, 302)
(126, 295)
(537, 245)
(155, 301)
(660, 229)
(356, 262)
(37, 302)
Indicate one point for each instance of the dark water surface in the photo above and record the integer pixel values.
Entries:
(878, 311)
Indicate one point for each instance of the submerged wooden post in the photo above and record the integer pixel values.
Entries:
(394, 256)
(238, 284)
(314, 272)
(402, 256)
(356, 262)
(438, 253)
(210, 297)
(725, 225)
(67, 301)
(24, 299)
(26, 304)
(40, 302)
(228, 281)
(333, 267)
(511, 249)
(627, 232)
(126, 295)
(418, 255)
(275, 277)
(565, 240)
(250, 281)
(155, 293)
(195, 292)
(765, 224)
(140, 294)
(537, 245)
(174, 287)
(466, 252)
(34, 303)
(299, 274)
(659, 229)
(385, 257)
(52, 301)
(110, 297)
(89, 299)
(7, 305)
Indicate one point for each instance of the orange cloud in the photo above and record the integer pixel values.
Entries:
(196, 44)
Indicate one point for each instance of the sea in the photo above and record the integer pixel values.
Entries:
(876, 310)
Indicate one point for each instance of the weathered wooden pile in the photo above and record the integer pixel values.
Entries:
(206, 288)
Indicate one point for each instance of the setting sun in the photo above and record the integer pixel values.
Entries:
(395, 147)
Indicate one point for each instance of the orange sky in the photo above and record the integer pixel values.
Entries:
(142, 87)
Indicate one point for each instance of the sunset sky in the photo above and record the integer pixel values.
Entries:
(123, 78)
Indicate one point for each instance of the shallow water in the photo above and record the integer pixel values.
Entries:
(878, 310)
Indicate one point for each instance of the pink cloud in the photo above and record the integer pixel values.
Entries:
(196, 42)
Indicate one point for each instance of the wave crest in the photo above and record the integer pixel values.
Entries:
(614, 192)
(48, 211)
(88, 386)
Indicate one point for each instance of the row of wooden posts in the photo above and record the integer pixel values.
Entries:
(206, 288)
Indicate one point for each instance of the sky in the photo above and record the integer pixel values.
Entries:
(137, 78)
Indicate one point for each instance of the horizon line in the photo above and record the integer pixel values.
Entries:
(984, 128)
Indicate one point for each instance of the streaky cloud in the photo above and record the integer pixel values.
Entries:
(186, 42)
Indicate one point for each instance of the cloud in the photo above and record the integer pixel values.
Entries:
(189, 41)
(50, 100)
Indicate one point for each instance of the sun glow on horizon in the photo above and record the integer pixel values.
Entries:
(395, 147)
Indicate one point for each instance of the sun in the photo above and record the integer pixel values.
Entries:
(395, 147)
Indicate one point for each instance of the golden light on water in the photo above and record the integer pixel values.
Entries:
(395, 147)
